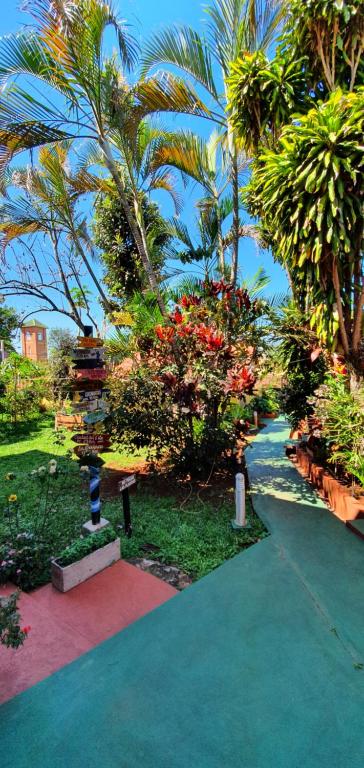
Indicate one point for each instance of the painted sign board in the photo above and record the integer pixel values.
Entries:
(88, 354)
(91, 439)
(95, 374)
(126, 482)
(89, 342)
(95, 417)
(85, 395)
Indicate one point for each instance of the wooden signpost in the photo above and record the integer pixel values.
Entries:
(90, 401)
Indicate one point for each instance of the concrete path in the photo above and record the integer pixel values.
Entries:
(255, 666)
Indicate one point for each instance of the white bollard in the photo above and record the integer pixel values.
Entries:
(240, 516)
(255, 414)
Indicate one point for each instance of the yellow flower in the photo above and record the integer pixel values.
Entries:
(13, 497)
(9, 476)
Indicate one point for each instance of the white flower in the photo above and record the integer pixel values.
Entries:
(52, 463)
(84, 469)
(42, 470)
(52, 469)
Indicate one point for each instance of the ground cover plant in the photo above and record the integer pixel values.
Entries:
(190, 529)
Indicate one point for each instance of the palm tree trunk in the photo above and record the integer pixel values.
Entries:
(342, 328)
(137, 229)
(236, 220)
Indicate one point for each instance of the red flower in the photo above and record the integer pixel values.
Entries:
(26, 630)
(164, 333)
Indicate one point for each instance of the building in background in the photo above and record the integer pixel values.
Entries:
(34, 341)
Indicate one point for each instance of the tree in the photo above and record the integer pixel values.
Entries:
(65, 51)
(61, 343)
(124, 274)
(310, 193)
(44, 275)
(9, 324)
(233, 26)
(307, 183)
(48, 204)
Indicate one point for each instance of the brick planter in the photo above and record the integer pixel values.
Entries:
(68, 577)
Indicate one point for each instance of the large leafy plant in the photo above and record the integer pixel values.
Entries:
(310, 193)
(177, 398)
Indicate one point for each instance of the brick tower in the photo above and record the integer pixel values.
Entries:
(34, 341)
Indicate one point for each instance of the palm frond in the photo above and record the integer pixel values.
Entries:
(183, 47)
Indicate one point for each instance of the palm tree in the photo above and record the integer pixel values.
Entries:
(64, 52)
(233, 26)
(48, 205)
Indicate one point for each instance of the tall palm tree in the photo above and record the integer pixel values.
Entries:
(64, 52)
(47, 204)
(233, 26)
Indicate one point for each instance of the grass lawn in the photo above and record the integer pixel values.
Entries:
(190, 530)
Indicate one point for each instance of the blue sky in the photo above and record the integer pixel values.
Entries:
(146, 17)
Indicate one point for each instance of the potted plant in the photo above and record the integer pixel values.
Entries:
(84, 558)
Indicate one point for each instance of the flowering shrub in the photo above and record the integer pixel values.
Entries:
(26, 546)
(12, 635)
(177, 398)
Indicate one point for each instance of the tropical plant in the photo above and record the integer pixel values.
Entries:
(309, 192)
(177, 404)
(124, 274)
(46, 202)
(233, 26)
(339, 416)
(64, 49)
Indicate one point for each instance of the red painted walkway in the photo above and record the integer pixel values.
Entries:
(64, 626)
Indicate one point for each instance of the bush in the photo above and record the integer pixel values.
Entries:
(177, 400)
(340, 421)
(11, 634)
(267, 402)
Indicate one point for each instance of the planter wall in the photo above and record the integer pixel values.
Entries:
(68, 577)
(339, 497)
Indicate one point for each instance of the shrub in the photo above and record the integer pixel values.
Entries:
(11, 633)
(176, 400)
(340, 421)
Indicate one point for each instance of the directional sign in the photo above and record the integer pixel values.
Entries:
(95, 417)
(126, 482)
(91, 439)
(89, 363)
(90, 342)
(86, 395)
(86, 405)
(88, 354)
(81, 450)
(95, 374)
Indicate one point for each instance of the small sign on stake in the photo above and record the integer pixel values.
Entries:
(124, 486)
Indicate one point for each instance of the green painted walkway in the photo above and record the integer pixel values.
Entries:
(252, 667)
